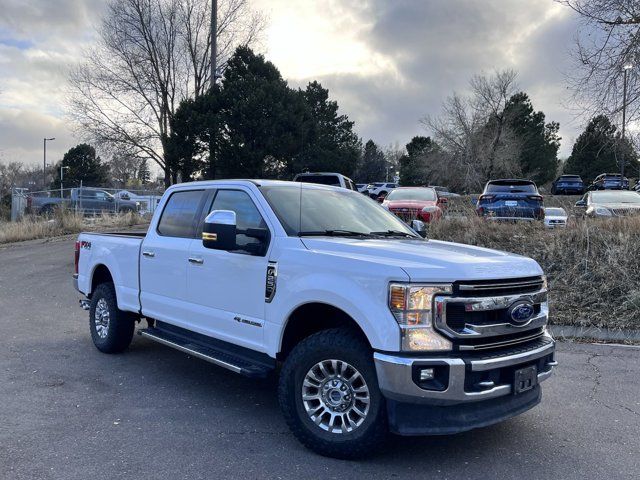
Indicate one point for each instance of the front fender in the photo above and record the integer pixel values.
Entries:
(363, 299)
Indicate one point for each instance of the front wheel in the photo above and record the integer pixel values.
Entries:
(329, 395)
(111, 328)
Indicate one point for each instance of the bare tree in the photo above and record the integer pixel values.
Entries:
(151, 55)
(608, 40)
(472, 131)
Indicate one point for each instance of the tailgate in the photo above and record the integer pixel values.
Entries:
(504, 205)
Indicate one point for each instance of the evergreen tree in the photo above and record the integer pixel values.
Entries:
(538, 142)
(413, 165)
(598, 150)
(372, 166)
(81, 164)
(330, 145)
(144, 174)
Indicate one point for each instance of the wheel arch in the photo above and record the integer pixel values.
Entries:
(312, 317)
(100, 274)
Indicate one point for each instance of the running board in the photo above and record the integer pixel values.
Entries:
(222, 357)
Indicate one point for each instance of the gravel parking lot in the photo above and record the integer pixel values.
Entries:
(68, 411)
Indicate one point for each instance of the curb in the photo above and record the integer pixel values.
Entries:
(594, 333)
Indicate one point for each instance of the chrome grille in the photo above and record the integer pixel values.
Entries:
(623, 212)
(405, 214)
(480, 314)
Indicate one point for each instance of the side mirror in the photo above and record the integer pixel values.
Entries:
(419, 227)
(443, 200)
(219, 230)
(580, 204)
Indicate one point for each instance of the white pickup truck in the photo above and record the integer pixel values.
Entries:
(371, 327)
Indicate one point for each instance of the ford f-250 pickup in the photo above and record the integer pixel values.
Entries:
(371, 327)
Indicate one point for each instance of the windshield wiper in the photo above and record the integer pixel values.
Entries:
(393, 233)
(333, 233)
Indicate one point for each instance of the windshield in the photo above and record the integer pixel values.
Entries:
(307, 210)
(615, 197)
(556, 212)
(421, 194)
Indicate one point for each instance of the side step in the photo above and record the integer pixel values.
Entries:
(231, 357)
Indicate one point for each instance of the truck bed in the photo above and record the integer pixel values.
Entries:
(119, 252)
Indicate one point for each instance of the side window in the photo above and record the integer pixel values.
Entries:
(88, 193)
(247, 214)
(178, 216)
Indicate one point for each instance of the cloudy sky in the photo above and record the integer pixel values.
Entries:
(387, 62)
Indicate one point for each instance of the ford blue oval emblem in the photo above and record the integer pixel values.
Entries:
(521, 312)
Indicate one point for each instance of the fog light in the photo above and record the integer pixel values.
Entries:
(426, 374)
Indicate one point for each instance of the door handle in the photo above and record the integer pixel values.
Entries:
(196, 261)
(147, 253)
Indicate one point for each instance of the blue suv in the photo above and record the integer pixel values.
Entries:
(510, 199)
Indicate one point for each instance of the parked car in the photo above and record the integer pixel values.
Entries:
(375, 328)
(147, 203)
(609, 204)
(510, 199)
(415, 203)
(326, 178)
(637, 187)
(555, 217)
(380, 189)
(361, 187)
(85, 200)
(567, 185)
(443, 192)
(610, 181)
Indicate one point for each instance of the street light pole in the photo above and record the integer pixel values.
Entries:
(214, 40)
(44, 163)
(625, 68)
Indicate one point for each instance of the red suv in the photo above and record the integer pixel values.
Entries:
(415, 203)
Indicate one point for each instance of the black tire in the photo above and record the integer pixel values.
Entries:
(119, 326)
(48, 210)
(347, 346)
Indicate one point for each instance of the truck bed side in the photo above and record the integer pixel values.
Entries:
(119, 253)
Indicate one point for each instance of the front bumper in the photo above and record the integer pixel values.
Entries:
(397, 374)
(471, 391)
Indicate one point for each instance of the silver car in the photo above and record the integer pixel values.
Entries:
(610, 203)
(555, 217)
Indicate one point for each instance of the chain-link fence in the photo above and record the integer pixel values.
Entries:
(83, 200)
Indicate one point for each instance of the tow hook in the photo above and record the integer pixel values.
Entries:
(84, 304)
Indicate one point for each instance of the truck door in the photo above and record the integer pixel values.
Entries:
(164, 258)
(226, 289)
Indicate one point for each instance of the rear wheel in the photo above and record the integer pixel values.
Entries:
(329, 395)
(111, 328)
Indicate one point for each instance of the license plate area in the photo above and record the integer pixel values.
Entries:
(525, 379)
(511, 203)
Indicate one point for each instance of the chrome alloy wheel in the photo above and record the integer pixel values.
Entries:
(101, 318)
(335, 396)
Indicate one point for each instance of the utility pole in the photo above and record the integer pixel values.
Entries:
(213, 32)
(214, 41)
(44, 163)
(625, 68)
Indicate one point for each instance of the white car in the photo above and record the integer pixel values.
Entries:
(148, 203)
(370, 327)
(378, 189)
(555, 217)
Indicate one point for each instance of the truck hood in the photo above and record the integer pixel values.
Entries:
(429, 261)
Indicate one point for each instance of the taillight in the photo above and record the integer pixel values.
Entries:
(76, 257)
(535, 197)
(486, 197)
(29, 202)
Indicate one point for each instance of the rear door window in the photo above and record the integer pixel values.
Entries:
(180, 213)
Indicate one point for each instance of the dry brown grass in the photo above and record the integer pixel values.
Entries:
(593, 266)
(62, 223)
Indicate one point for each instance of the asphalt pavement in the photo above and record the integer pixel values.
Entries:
(69, 412)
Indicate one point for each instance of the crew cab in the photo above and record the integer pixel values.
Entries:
(510, 199)
(610, 181)
(369, 327)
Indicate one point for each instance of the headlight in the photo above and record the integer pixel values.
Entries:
(605, 212)
(411, 306)
(429, 209)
